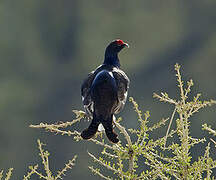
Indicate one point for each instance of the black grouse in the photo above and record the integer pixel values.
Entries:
(104, 92)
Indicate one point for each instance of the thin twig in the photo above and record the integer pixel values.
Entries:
(105, 165)
(171, 119)
(131, 152)
(98, 173)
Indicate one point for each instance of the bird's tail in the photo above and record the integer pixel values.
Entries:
(93, 128)
(107, 124)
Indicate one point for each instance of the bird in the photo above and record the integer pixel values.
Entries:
(104, 92)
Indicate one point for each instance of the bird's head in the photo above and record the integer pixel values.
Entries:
(112, 50)
(116, 46)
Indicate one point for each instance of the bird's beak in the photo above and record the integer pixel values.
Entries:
(126, 45)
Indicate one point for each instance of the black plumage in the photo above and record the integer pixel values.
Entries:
(104, 92)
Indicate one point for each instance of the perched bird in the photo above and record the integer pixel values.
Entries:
(104, 92)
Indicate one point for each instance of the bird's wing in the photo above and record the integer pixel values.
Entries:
(85, 92)
(122, 82)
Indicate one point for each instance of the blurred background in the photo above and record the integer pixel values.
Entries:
(47, 48)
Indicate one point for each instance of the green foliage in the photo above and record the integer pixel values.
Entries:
(8, 174)
(211, 131)
(45, 161)
(146, 158)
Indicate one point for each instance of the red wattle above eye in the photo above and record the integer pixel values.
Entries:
(119, 42)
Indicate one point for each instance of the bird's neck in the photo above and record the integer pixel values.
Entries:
(111, 59)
